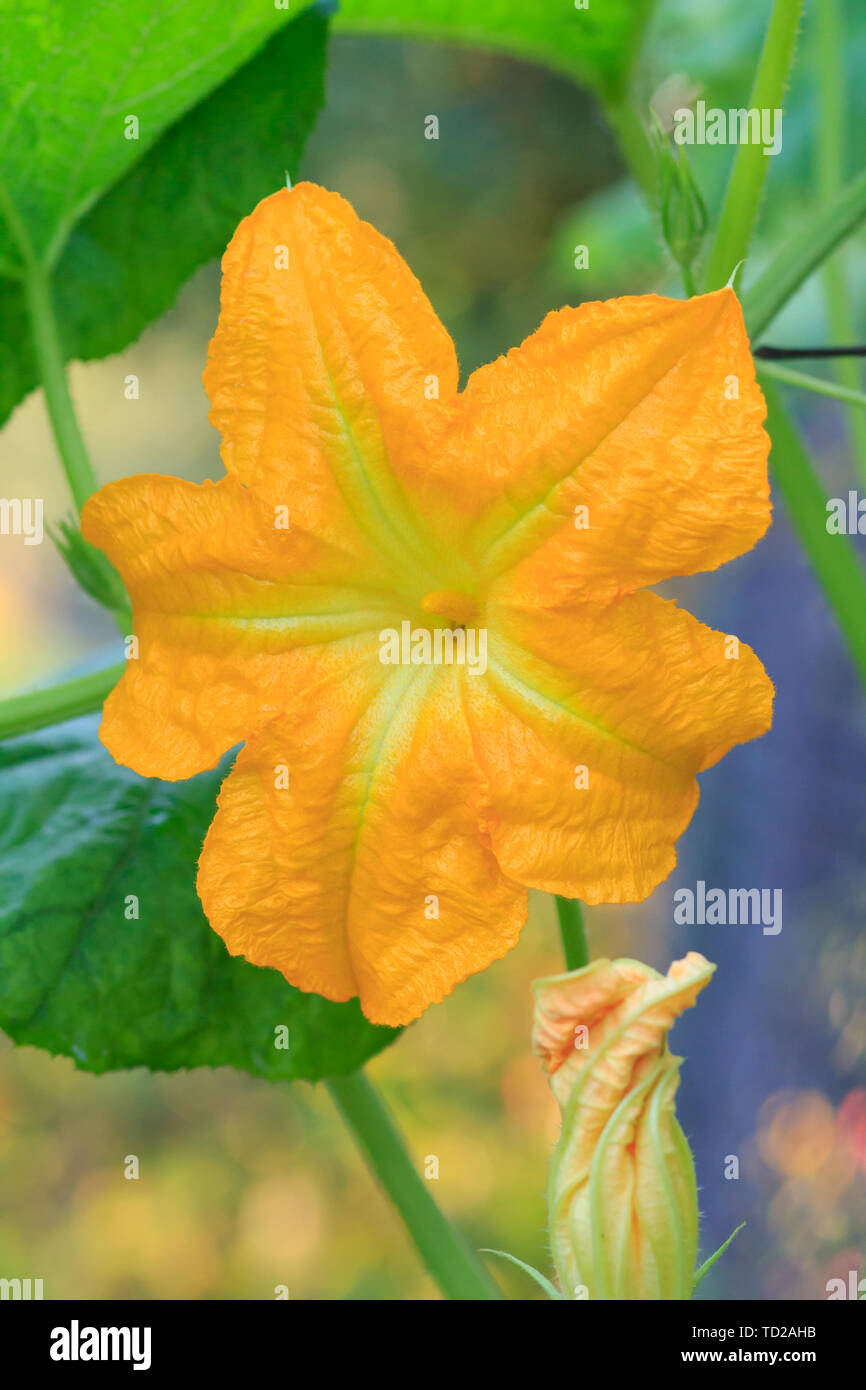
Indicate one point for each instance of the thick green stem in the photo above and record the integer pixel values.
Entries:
(829, 22)
(634, 142)
(574, 945)
(36, 281)
(805, 251)
(746, 184)
(22, 714)
(52, 370)
(812, 383)
(455, 1267)
(832, 557)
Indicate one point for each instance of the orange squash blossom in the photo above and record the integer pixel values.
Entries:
(384, 818)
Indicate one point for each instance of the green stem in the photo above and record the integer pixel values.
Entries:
(832, 557)
(830, 164)
(634, 142)
(811, 383)
(455, 1267)
(52, 369)
(801, 255)
(746, 184)
(49, 356)
(571, 929)
(22, 714)
(829, 22)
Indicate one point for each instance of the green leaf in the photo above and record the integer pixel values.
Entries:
(72, 74)
(123, 264)
(597, 45)
(80, 838)
(708, 1264)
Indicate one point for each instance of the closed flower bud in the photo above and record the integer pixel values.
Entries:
(622, 1195)
(682, 210)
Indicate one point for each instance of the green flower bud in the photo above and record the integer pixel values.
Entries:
(682, 209)
(622, 1196)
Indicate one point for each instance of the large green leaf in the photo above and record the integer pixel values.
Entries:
(79, 838)
(597, 44)
(71, 74)
(177, 209)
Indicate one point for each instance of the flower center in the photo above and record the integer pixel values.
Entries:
(452, 605)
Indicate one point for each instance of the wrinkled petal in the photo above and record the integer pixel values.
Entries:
(334, 387)
(643, 411)
(322, 371)
(578, 998)
(622, 1196)
(366, 874)
(590, 726)
(236, 620)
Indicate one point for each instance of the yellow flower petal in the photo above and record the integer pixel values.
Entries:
(236, 621)
(345, 851)
(590, 727)
(323, 369)
(621, 444)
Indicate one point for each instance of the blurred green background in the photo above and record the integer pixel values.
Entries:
(244, 1185)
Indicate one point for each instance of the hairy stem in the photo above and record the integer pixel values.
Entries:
(829, 22)
(455, 1267)
(743, 196)
(23, 714)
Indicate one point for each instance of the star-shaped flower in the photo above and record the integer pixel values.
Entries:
(389, 809)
